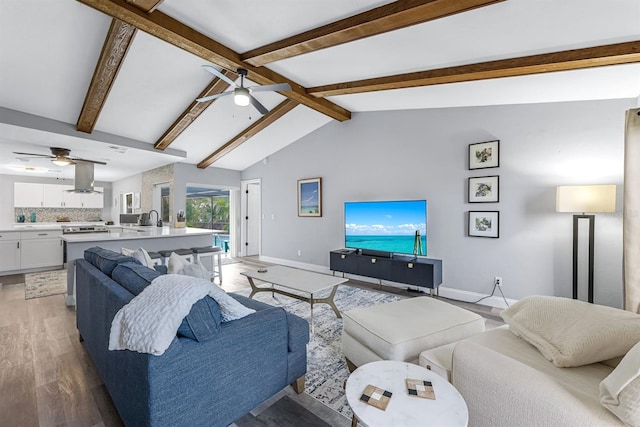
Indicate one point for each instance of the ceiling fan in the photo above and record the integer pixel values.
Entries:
(61, 157)
(242, 95)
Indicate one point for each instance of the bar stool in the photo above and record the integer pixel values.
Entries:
(184, 253)
(156, 258)
(213, 252)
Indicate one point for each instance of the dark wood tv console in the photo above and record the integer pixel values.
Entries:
(408, 269)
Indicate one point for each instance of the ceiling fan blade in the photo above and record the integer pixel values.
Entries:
(261, 108)
(48, 156)
(209, 98)
(276, 88)
(218, 74)
(78, 159)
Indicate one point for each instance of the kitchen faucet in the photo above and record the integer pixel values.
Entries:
(158, 222)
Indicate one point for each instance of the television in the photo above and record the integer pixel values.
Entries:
(388, 226)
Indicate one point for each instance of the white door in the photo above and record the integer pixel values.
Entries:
(252, 219)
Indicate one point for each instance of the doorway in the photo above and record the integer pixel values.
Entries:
(210, 208)
(251, 217)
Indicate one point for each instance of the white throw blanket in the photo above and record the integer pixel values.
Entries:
(150, 321)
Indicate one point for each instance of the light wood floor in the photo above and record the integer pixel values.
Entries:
(46, 376)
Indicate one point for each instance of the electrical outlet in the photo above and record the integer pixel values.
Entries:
(498, 281)
(299, 252)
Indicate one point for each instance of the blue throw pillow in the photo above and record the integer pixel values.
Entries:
(106, 260)
(202, 322)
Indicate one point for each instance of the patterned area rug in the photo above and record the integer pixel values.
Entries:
(326, 367)
(45, 283)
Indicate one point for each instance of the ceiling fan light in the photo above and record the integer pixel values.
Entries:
(61, 161)
(241, 96)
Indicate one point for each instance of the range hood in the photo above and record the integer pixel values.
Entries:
(83, 182)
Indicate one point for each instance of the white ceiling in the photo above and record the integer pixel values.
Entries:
(49, 49)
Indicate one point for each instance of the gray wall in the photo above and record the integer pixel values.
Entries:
(422, 154)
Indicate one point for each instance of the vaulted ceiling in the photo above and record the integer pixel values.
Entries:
(116, 80)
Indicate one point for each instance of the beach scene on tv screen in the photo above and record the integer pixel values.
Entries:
(386, 226)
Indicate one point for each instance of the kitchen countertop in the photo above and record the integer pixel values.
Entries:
(135, 232)
(26, 226)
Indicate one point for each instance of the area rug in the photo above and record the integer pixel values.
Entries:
(326, 367)
(45, 283)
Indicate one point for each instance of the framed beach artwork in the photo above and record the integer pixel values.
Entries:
(310, 197)
(484, 224)
(484, 189)
(484, 155)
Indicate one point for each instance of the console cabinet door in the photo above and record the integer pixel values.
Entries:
(413, 273)
(370, 266)
(345, 263)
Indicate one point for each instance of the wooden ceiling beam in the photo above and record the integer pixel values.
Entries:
(266, 120)
(193, 111)
(389, 17)
(114, 50)
(599, 56)
(147, 6)
(180, 35)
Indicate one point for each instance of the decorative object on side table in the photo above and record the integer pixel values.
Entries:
(484, 189)
(310, 197)
(484, 224)
(420, 388)
(484, 155)
(449, 409)
(376, 397)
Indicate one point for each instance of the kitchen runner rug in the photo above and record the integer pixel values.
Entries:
(326, 367)
(45, 283)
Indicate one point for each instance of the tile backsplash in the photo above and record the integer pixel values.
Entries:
(52, 214)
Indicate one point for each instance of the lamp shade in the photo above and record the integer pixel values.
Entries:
(586, 198)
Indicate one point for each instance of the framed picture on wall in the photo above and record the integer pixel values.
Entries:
(484, 155)
(484, 189)
(484, 224)
(310, 197)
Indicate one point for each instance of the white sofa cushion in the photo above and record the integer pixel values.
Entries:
(620, 391)
(140, 254)
(400, 330)
(571, 332)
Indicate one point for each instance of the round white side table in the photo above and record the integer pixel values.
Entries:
(448, 409)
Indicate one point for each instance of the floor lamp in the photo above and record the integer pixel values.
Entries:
(579, 199)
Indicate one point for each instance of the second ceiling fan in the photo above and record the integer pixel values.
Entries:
(242, 95)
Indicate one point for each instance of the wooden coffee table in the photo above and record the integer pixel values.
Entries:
(294, 279)
(448, 409)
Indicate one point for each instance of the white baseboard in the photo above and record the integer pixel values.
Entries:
(446, 292)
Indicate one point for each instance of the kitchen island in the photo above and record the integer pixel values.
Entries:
(130, 237)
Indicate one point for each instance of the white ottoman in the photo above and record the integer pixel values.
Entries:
(403, 329)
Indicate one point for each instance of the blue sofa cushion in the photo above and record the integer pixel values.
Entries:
(134, 277)
(106, 260)
(202, 322)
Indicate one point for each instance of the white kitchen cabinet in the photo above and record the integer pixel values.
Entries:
(31, 195)
(27, 195)
(94, 200)
(52, 196)
(41, 249)
(69, 198)
(9, 250)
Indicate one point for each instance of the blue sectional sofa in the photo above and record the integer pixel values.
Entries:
(212, 374)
